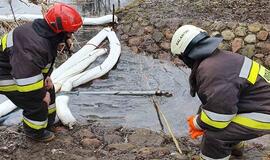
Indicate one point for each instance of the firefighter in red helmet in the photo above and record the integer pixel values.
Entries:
(27, 55)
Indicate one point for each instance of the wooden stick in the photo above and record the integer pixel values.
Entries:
(168, 127)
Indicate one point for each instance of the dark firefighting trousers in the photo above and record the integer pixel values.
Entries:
(34, 109)
(218, 144)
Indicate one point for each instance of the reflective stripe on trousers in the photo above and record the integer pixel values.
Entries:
(52, 108)
(252, 120)
(35, 124)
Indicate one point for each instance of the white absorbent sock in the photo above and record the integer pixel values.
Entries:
(6, 107)
(77, 68)
(86, 21)
(86, 76)
(63, 111)
(98, 71)
(83, 52)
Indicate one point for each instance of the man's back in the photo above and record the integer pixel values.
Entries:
(234, 77)
(27, 47)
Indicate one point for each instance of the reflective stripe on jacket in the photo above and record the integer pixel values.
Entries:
(25, 57)
(233, 88)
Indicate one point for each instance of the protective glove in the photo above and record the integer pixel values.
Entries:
(194, 132)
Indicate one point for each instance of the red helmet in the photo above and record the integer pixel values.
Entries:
(63, 18)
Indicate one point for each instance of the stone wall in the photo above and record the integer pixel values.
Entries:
(149, 31)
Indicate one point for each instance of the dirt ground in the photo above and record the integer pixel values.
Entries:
(93, 142)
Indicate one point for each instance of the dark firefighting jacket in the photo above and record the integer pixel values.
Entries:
(232, 89)
(27, 53)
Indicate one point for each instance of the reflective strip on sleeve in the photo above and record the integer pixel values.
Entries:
(30, 80)
(250, 70)
(7, 40)
(35, 124)
(254, 71)
(265, 74)
(8, 85)
(30, 84)
(22, 85)
(46, 69)
(253, 120)
(52, 108)
(203, 157)
(4, 42)
(7, 82)
(245, 68)
(8, 88)
(10, 39)
(216, 120)
(195, 123)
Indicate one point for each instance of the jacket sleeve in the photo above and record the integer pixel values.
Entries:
(219, 97)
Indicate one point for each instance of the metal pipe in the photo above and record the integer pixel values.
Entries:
(130, 93)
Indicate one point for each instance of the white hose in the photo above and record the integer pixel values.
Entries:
(63, 112)
(62, 101)
(86, 21)
(100, 20)
(77, 68)
(83, 52)
(98, 71)
(6, 107)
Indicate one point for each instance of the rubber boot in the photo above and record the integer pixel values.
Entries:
(41, 135)
(238, 149)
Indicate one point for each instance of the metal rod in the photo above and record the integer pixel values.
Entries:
(113, 23)
(131, 93)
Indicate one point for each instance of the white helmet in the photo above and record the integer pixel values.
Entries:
(185, 38)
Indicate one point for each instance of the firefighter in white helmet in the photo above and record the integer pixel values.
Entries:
(233, 89)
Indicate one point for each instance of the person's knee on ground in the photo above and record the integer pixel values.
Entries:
(214, 147)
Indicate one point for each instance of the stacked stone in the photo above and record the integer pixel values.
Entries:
(152, 35)
(251, 40)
